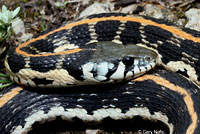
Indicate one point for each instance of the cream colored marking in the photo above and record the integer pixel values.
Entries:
(172, 42)
(188, 56)
(8, 67)
(129, 74)
(9, 95)
(142, 69)
(50, 40)
(44, 52)
(180, 65)
(176, 40)
(59, 63)
(61, 42)
(33, 48)
(119, 73)
(92, 41)
(187, 98)
(60, 76)
(27, 59)
(143, 36)
(154, 45)
(141, 28)
(144, 112)
(143, 24)
(117, 41)
(127, 92)
(142, 31)
(87, 72)
(98, 116)
(119, 31)
(187, 60)
(93, 34)
(64, 47)
(145, 41)
(92, 31)
(100, 78)
(159, 42)
(122, 25)
(56, 41)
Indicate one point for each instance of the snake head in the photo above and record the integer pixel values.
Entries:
(113, 62)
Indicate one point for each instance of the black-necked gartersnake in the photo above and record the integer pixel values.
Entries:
(105, 48)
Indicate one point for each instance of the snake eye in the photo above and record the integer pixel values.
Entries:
(147, 58)
(127, 60)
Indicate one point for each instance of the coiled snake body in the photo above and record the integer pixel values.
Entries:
(107, 48)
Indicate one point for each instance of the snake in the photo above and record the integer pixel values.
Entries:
(108, 65)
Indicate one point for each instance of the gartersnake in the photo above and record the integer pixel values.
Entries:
(161, 95)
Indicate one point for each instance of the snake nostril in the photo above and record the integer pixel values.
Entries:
(127, 60)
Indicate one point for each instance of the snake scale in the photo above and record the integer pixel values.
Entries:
(110, 48)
